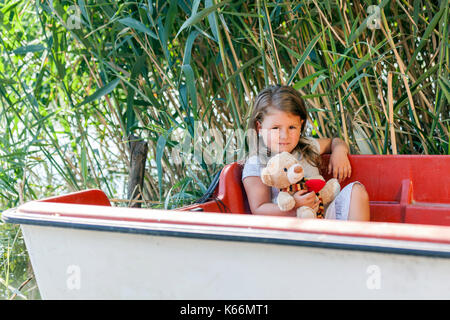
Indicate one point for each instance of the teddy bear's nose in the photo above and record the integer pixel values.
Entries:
(298, 169)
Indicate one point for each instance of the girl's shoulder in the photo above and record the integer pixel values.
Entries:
(252, 167)
(253, 160)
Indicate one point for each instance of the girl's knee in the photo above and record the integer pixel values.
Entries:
(360, 191)
(359, 205)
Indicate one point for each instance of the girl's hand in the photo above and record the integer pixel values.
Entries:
(339, 164)
(305, 198)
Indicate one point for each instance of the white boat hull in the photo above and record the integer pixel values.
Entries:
(78, 257)
(84, 264)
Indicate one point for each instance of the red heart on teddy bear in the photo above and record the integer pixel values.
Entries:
(315, 185)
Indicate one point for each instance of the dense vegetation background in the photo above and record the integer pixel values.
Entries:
(78, 77)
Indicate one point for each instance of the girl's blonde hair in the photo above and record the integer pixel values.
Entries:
(287, 99)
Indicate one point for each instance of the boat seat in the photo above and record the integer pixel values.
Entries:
(401, 188)
(89, 197)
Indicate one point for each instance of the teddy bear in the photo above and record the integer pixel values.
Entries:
(284, 171)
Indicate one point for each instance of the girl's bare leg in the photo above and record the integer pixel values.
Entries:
(359, 204)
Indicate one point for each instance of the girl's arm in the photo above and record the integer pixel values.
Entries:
(339, 163)
(260, 202)
(258, 196)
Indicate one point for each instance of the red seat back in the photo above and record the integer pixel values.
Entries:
(90, 197)
(405, 188)
(382, 175)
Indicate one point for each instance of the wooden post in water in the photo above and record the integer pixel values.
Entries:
(138, 156)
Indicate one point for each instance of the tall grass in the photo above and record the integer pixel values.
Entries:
(78, 77)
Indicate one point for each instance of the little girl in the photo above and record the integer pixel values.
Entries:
(279, 118)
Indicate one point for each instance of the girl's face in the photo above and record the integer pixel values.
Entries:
(280, 130)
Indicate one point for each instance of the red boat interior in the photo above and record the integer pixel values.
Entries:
(409, 189)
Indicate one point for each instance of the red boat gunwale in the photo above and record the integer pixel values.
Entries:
(402, 210)
(144, 220)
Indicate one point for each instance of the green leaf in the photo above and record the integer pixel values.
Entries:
(188, 48)
(101, 92)
(7, 81)
(445, 86)
(235, 74)
(84, 166)
(425, 37)
(303, 58)
(212, 20)
(303, 82)
(195, 18)
(363, 63)
(160, 145)
(137, 25)
(29, 48)
(82, 6)
(9, 6)
(190, 84)
(317, 82)
(353, 82)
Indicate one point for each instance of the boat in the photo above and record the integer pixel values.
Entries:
(81, 247)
